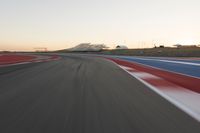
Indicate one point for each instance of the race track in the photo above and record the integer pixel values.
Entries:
(84, 94)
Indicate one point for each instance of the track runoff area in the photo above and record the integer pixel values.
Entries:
(175, 79)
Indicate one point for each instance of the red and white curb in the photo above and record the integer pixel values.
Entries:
(37, 60)
(184, 98)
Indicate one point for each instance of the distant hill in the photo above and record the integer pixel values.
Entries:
(86, 47)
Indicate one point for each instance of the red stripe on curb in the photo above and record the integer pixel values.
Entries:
(190, 83)
(10, 59)
(159, 83)
(133, 70)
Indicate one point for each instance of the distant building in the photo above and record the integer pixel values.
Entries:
(121, 47)
(177, 45)
(40, 49)
(161, 46)
(184, 46)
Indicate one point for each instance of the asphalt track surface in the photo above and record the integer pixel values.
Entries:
(79, 94)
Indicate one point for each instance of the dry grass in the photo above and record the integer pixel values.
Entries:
(168, 52)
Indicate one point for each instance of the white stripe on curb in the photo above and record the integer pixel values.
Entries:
(184, 99)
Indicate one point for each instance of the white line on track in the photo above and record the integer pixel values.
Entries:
(181, 62)
(144, 75)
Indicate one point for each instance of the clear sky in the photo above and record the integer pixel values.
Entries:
(58, 24)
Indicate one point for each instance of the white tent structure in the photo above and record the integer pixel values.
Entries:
(121, 47)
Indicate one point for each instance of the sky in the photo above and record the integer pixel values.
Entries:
(60, 24)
